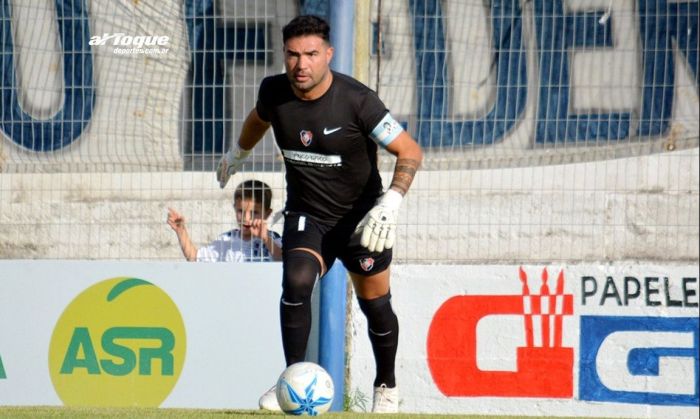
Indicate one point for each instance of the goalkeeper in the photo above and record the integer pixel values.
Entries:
(328, 127)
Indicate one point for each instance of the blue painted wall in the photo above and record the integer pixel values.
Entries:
(79, 93)
(664, 25)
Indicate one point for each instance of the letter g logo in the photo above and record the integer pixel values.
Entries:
(646, 360)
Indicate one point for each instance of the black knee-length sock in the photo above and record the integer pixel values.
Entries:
(383, 328)
(301, 270)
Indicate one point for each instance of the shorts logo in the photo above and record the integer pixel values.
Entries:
(367, 264)
(306, 137)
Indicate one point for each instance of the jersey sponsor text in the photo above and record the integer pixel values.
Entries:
(312, 159)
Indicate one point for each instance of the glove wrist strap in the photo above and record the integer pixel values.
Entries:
(392, 198)
(238, 152)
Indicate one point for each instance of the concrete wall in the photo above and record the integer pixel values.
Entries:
(636, 208)
(526, 197)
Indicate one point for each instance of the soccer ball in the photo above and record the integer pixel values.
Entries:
(305, 388)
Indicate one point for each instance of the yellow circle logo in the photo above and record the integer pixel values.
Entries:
(121, 342)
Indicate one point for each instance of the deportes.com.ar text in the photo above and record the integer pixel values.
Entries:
(150, 51)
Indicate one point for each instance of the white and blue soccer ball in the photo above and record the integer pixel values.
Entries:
(305, 389)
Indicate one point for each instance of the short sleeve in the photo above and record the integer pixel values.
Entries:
(379, 125)
(263, 100)
(222, 249)
(370, 111)
(210, 253)
(276, 239)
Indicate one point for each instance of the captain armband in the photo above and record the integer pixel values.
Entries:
(386, 131)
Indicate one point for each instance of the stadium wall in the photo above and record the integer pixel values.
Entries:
(470, 214)
(582, 340)
(546, 185)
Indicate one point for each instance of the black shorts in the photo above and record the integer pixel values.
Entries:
(333, 241)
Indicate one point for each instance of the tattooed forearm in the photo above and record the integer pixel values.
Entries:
(404, 172)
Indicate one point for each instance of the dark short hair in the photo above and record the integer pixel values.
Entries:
(256, 190)
(306, 25)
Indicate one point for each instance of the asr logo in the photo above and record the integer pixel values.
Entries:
(120, 342)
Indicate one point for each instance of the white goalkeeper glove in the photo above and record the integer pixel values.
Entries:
(230, 163)
(379, 224)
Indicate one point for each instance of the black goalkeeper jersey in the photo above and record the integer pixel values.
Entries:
(330, 160)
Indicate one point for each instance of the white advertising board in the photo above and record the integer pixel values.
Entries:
(617, 340)
(154, 334)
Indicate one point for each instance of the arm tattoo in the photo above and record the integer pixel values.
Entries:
(404, 172)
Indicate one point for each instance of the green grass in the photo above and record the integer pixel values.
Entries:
(94, 412)
(85, 412)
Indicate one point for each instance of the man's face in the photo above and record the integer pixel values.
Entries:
(306, 59)
(248, 210)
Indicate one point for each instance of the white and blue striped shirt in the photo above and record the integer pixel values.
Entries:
(230, 247)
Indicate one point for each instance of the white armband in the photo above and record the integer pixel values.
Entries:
(386, 131)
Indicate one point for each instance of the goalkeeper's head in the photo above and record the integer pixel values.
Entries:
(251, 201)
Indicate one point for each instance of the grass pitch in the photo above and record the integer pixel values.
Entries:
(94, 412)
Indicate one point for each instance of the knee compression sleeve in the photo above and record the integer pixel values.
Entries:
(300, 271)
(384, 335)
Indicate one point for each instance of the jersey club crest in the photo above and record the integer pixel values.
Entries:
(306, 137)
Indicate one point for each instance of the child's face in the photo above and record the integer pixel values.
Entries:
(248, 210)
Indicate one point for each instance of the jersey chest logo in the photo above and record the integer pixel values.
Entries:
(306, 137)
(328, 131)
